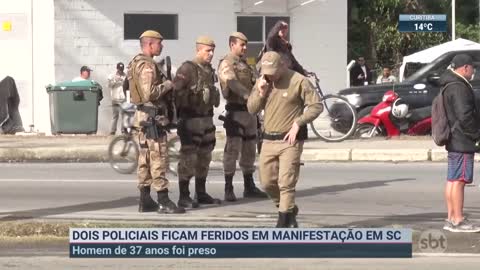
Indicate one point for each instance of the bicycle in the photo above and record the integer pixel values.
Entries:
(123, 150)
(338, 119)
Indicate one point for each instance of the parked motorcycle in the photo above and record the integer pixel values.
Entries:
(391, 117)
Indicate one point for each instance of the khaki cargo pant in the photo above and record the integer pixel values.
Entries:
(152, 162)
(279, 168)
(243, 143)
(197, 138)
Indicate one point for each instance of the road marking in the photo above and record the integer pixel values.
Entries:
(94, 180)
(69, 180)
(446, 255)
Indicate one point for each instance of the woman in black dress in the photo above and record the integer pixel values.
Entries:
(277, 41)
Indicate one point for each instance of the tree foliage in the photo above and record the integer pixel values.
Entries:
(373, 27)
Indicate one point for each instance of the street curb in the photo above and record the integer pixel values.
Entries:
(327, 155)
(76, 154)
(439, 155)
(393, 155)
(98, 153)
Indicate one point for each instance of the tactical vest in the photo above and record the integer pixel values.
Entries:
(199, 99)
(245, 75)
(137, 97)
(165, 105)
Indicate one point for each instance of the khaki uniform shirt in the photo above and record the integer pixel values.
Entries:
(285, 103)
(236, 79)
(150, 83)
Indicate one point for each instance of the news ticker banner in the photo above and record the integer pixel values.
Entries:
(240, 243)
(422, 23)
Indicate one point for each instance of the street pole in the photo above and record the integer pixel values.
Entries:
(453, 19)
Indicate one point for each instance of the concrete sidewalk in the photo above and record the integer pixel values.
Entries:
(83, 148)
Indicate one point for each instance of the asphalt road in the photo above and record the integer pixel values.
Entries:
(60, 263)
(329, 195)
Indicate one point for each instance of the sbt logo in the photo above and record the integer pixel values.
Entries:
(432, 241)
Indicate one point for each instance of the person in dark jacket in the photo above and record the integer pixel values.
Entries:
(360, 73)
(277, 42)
(464, 121)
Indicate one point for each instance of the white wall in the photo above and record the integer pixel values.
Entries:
(319, 38)
(268, 6)
(43, 61)
(318, 33)
(32, 70)
(70, 33)
(91, 32)
(11, 44)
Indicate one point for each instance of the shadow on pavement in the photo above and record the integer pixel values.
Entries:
(310, 192)
(339, 188)
(132, 201)
(93, 206)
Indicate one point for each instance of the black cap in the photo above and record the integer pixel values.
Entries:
(85, 68)
(461, 60)
(120, 65)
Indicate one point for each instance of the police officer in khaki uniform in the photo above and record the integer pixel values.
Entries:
(148, 90)
(283, 94)
(196, 95)
(237, 80)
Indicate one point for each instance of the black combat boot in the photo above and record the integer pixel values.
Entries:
(185, 201)
(229, 195)
(250, 190)
(292, 220)
(201, 195)
(166, 206)
(295, 209)
(282, 221)
(147, 204)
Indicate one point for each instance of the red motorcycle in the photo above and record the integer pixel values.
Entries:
(391, 117)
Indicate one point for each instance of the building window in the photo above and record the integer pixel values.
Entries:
(135, 24)
(256, 29)
(251, 26)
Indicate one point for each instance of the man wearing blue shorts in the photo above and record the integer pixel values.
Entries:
(464, 121)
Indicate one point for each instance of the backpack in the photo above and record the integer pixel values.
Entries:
(441, 130)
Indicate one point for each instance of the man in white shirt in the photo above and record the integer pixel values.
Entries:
(115, 83)
(84, 74)
(386, 77)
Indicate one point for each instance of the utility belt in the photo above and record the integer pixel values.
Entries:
(196, 137)
(188, 113)
(232, 127)
(301, 135)
(235, 107)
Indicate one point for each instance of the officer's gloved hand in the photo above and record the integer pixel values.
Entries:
(206, 95)
(168, 85)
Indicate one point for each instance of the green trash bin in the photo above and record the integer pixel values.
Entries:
(74, 107)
